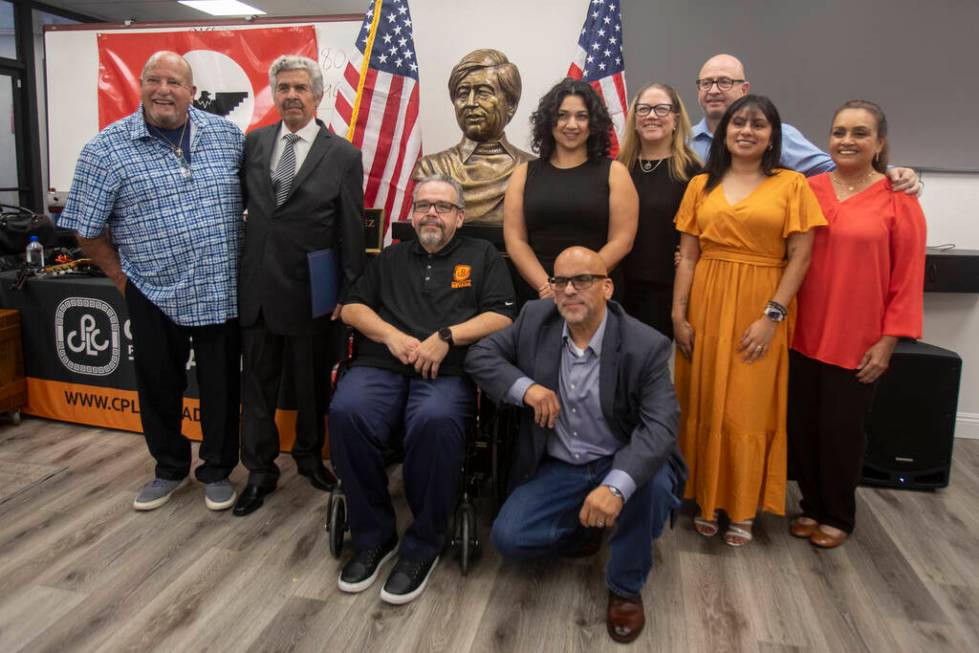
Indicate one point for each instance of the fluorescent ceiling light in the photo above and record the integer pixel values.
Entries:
(222, 7)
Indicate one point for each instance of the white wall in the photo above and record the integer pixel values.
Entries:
(951, 205)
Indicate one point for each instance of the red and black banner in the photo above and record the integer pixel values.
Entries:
(231, 69)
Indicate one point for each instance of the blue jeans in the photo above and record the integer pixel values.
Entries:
(370, 406)
(540, 519)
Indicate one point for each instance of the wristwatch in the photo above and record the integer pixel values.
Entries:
(614, 490)
(445, 335)
(774, 314)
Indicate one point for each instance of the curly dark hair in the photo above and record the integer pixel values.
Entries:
(544, 119)
(719, 157)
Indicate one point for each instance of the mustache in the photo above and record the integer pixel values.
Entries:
(293, 104)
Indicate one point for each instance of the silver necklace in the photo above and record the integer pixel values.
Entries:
(177, 150)
(647, 166)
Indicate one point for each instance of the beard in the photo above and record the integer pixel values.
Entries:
(431, 238)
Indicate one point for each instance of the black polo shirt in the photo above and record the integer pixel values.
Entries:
(419, 293)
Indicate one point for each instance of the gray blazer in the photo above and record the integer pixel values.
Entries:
(635, 389)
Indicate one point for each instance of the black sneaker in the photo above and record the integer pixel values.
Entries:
(407, 580)
(362, 570)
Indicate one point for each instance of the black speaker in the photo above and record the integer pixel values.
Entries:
(911, 425)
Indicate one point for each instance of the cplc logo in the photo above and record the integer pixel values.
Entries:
(86, 333)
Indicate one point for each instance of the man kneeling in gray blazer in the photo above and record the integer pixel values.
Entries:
(598, 449)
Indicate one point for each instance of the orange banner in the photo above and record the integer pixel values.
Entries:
(111, 408)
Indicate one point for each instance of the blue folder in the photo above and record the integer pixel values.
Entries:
(324, 280)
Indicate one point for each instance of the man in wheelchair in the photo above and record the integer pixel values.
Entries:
(597, 445)
(418, 306)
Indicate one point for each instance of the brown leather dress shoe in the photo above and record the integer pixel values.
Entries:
(802, 527)
(825, 540)
(625, 618)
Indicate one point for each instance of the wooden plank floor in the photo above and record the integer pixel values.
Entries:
(81, 571)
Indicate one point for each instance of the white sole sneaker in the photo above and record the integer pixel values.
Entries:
(156, 503)
(354, 588)
(401, 599)
(221, 505)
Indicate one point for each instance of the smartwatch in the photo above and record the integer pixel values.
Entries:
(445, 335)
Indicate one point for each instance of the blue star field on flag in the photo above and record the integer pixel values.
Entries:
(394, 46)
(601, 39)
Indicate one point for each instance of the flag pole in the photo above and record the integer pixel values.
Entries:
(363, 70)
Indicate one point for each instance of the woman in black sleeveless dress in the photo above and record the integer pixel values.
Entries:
(573, 194)
(655, 150)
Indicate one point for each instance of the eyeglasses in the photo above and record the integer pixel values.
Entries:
(661, 110)
(441, 208)
(580, 281)
(723, 83)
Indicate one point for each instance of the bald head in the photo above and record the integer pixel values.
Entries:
(579, 260)
(721, 69)
(581, 289)
(167, 57)
(728, 63)
(166, 88)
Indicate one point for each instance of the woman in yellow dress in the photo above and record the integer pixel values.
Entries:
(745, 245)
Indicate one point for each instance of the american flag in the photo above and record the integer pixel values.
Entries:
(377, 107)
(598, 60)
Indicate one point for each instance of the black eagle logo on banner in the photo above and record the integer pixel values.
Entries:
(221, 104)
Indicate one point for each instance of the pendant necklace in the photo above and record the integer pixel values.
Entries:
(647, 166)
(177, 150)
(835, 177)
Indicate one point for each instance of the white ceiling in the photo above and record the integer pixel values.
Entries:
(157, 10)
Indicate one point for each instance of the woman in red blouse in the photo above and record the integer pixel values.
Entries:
(863, 291)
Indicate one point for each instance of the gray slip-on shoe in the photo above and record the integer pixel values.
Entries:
(157, 492)
(220, 495)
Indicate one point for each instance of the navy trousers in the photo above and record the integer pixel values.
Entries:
(540, 519)
(369, 407)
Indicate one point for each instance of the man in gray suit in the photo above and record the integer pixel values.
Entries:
(304, 194)
(597, 445)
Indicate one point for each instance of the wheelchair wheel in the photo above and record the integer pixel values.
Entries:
(468, 539)
(336, 524)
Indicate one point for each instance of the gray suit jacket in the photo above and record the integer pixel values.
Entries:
(635, 389)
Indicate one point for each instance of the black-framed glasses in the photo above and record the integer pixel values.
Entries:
(660, 110)
(579, 281)
(422, 207)
(723, 83)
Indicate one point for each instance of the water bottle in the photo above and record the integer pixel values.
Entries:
(35, 254)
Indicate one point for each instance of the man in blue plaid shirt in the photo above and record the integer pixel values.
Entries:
(156, 202)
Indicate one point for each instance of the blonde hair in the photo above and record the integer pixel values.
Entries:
(682, 155)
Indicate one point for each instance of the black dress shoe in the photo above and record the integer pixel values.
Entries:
(320, 477)
(251, 499)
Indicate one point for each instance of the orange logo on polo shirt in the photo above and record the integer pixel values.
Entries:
(461, 277)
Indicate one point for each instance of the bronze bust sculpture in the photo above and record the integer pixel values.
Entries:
(485, 89)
